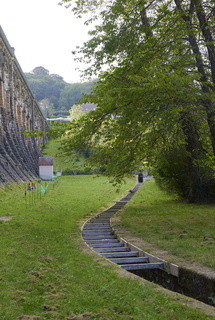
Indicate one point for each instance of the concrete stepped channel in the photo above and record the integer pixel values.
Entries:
(99, 235)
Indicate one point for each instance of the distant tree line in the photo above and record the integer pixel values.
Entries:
(51, 90)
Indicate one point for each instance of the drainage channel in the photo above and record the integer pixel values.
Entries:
(100, 237)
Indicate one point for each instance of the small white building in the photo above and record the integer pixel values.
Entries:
(46, 168)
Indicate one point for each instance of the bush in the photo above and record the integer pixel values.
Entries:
(172, 173)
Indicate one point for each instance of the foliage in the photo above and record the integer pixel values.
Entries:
(45, 274)
(59, 95)
(157, 94)
(41, 71)
(76, 112)
(68, 164)
(72, 93)
(45, 87)
(35, 133)
(172, 170)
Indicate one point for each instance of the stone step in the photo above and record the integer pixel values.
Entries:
(102, 241)
(122, 201)
(121, 254)
(142, 266)
(98, 230)
(94, 223)
(106, 245)
(95, 230)
(95, 227)
(130, 260)
(100, 220)
(97, 237)
(95, 234)
(103, 250)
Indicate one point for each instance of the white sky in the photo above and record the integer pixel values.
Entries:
(43, 33)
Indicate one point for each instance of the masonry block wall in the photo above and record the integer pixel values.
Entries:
(19, 112)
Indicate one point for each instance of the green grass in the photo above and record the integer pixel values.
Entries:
(63, 163)
(185, 230)
(44, 272)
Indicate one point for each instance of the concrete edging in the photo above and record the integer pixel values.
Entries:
(170, 268)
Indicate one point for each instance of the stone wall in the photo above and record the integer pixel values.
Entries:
(19, 112)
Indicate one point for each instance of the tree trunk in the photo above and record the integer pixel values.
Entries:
(207, 34)
(196, 192)
(206, 87)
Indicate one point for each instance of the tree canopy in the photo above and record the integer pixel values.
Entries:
(156, 98)
(59, 95)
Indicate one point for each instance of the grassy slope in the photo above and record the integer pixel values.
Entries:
(44, 273)
(185, 230)
(62, 162)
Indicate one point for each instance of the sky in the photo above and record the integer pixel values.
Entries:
(44, 33)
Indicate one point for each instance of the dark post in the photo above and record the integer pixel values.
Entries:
(140, 177)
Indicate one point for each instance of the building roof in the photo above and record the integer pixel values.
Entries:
(88, 106)
(45, 161)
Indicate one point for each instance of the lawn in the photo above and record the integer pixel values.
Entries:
(184, 230)
(45, 274)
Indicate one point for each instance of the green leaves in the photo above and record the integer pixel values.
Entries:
(35, 133)
(156, 96)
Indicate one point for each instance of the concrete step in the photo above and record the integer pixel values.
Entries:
(111, 249)
(120, 254)
(91, 232)
(96, 222)
(97, 237)
(102, 241)
(106, 220)
(106, 245)
(93, 227)
(130, 260)
(142, 266)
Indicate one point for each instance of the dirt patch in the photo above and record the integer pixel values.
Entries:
(46, 258)
(6, 218)
(25, 317)
(36, 274)
(50, 308)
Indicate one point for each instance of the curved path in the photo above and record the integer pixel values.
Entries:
(100, 237)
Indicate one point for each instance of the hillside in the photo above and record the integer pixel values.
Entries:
(54, 95)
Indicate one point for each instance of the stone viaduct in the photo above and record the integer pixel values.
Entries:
(19, 112)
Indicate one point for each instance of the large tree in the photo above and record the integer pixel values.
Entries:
(156, 100)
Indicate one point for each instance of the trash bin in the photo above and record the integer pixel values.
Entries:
(140, 177)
